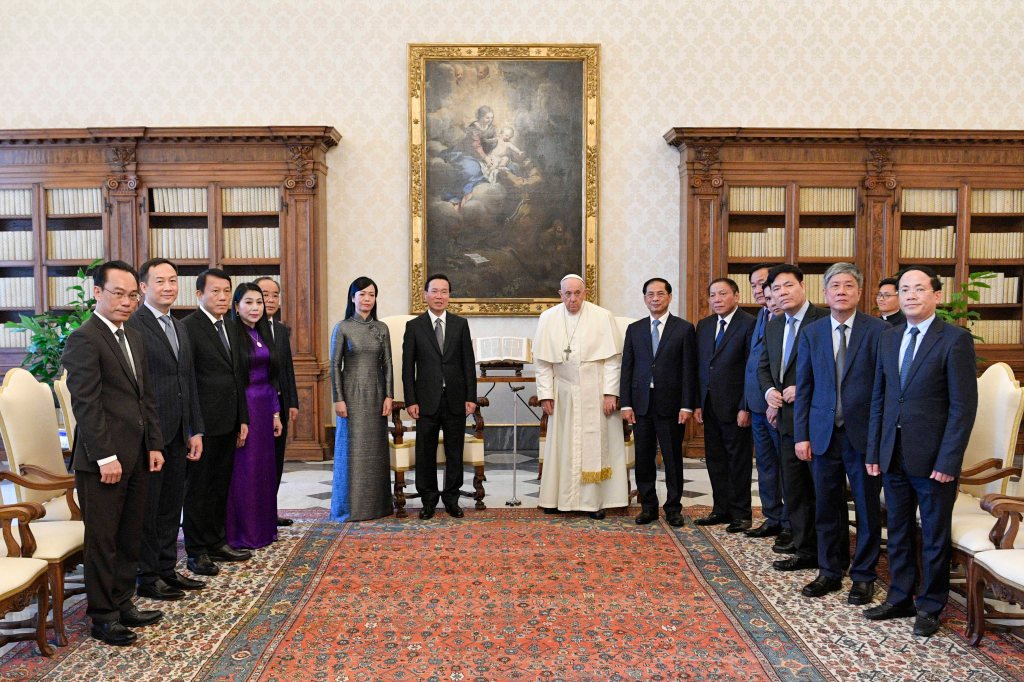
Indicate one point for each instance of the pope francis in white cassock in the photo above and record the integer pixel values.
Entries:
(578, 352)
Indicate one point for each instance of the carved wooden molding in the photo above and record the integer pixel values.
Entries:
(880, 172)
(705, 175)
(301, 162)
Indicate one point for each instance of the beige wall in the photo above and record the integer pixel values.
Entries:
(878, 63)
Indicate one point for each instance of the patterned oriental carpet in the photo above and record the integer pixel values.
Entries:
(517, 595)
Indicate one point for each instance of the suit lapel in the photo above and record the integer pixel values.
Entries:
(115, 348)
(666, 333)
(856, 338)
(429, 327)
(935, 330)
(149, 319)
(725, 337)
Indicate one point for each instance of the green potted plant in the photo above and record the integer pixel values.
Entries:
(956, 310)
(49, 331)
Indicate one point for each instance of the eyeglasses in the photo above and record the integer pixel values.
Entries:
(882, 295)
(134, 296)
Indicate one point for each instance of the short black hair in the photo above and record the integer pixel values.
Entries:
(932, 275)
(668, 287)
(431, 278)
(781, 268)
(759, 266)
(211, 272)
(152, 263)
(731, 282)
(889, 280)
(99, 275)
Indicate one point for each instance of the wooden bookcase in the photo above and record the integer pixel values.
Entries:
(881, 199)
(248, 200)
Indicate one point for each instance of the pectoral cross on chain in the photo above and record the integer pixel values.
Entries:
(567, 351)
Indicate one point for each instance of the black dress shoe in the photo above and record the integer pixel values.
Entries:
(202, 565)
(794, 563)
(551, 510)
(788, 548)
(713, 519)
(861, 593)
(182, 582)
(113, 634)
(738, 526)
(785, 537)
(765, 530)
(228, 553)
(596, 515)
(133, 617)
(158, 589)
(925, 625)
(821, 586)
(646, 516)
(454, 511)
(281, 521)
(427, 513)
(886, 611)
(675, 520)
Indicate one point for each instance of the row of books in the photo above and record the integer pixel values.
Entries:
(174, 243)
(250, 200)
(179, 199)
(252, 242)
(771, 199)
(74, 201)
(997, 245)
(937, 242)
(837, 242)
(1001, 289)
(929, 201)
(17, 292)
(74, 244)
(814, 285)
(16, 245)
(997, 331)
(997, 201)
(828, 200)
(57, 289)
(768, 243)
(746, 291)
(16, 203)
(12, 338)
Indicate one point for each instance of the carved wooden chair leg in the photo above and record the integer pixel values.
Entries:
(400, 495)
(975, 628)
(478, 486)
(56, 576)
(43, 602)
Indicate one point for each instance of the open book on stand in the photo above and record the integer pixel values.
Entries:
(502, 349)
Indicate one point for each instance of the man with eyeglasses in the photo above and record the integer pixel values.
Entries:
(118, 447)
(888, 302)
(923, 407)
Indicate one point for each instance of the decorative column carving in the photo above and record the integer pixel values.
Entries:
(122, 187)
(877, 213)
(703, 213)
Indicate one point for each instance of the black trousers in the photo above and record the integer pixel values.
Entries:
(729, 455)
(280, 443)
(427, 429)
(798, 491)
(650, 431)
(164, 502)
(113, 516)
(206, 495)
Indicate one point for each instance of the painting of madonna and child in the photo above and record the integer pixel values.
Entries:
(504, 185)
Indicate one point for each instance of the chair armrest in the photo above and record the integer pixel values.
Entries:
(995, 475)
(45, 474)
(990, 463)
(50, 481)
(478, 417)
(533, 402)
(396, 418)
(997, 504)
(1008, 509)
(23, 513)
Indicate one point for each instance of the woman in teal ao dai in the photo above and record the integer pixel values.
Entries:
(362, 383)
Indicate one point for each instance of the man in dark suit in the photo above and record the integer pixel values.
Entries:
(777, 374)
(922, 411)
(117, 448)
(288, 396)
(888, 302)
(173, 380)
(658, 394)
(766, 436)
(834, 379)
(723, 344)
(439, 378)
(215, 349)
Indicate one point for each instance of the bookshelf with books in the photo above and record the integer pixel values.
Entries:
(882, 199)
(248, 199)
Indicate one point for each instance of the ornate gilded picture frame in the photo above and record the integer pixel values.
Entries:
(504, 172)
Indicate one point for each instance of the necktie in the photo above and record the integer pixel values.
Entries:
(655, 337)
(840, 363)
(721, 333)
(219, 324)
(273, 336)
(169, 331)
(908, 357)
(121, 341)
(439, 333)
(788, 349)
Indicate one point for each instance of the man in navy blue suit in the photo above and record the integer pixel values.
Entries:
(657, 393)
(922, 411)
(766, 436)
(835, 371)
(723, 344)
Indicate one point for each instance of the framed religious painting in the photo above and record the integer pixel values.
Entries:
(504, 168)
